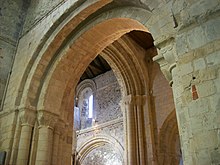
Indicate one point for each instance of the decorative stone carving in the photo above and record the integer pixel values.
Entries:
(166, 57)
(27, 116)
(134, 100)
(47, 119)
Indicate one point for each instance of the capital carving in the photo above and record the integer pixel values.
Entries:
(27, 116)
(140, 99)
(46, 119)
(166, 57)
(134, 100)
(130, 99)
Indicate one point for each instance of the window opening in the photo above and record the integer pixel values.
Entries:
(91, 106)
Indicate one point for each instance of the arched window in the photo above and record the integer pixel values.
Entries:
(83, 111)
(91, 106)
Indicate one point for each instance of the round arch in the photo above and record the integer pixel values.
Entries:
(96, 142)
(74, 57)
(60, 63)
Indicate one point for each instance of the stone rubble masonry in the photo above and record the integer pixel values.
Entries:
(107, 98)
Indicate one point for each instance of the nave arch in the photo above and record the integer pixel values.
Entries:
(56, 72)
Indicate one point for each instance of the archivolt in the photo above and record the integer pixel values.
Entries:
(57, 71)
(96, 142)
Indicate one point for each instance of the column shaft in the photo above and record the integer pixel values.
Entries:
(44, 148)
(134, 129)
(60, 151)
(55, 148)
(141, 137)
(24, 144)
(131, 131)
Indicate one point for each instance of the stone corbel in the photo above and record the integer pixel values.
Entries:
(46, 119)
(166, 57)
(27, 116)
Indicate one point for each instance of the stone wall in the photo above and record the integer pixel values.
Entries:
(107, 98)
(38, 10)
(109, 130)
(12, 16)
(191, 25)
(109, 122)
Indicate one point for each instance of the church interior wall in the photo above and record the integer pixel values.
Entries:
(186, 35)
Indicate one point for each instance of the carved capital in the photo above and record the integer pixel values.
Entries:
(166, 57)
(27, 116)
(130, 99)
(46, 119)
(134, 100)
(140, 99)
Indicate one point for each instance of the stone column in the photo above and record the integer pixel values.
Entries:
(60, 152)
(27, 118)
(140, 102)
(57, 149)
(46, 121)
(134, 129)
(196, 91)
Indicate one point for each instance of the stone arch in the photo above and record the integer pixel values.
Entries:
(48, 54)
(97, 141)
(169, 142)
(56, 71)
(85, 83)
(81, 98)
(47, 63)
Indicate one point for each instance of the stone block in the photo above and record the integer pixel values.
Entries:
(212, 29)
(215, 156)
(207, 74)
(199, 64)
(200, 139)
(203, 157)
(186, 68)
(196, 38)
(213, 58)
(181, 44)
(198, 106)
(206, 88)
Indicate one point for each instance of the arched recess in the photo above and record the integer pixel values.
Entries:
(96, 142)
(84, 90)
(169, 142)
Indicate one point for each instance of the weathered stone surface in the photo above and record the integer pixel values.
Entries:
(194, 27)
